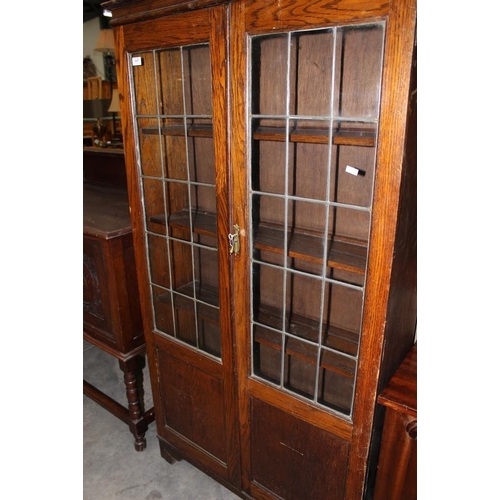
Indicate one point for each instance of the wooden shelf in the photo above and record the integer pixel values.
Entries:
(355, 137)
(203, 222)
(197, 130)
(338, 364)
(343, 255)
(333, 337)
(329, 361)
(205, 293)
(345, 136)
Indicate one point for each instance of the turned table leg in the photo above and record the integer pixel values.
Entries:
(137, 425)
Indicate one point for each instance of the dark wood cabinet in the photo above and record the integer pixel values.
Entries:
(397, 465)
(270, 152)
(112, 318)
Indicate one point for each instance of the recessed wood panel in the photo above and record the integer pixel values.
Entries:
(193, 404)
(294, 459)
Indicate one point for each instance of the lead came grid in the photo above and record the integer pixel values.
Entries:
(287, 127)
(175, 116)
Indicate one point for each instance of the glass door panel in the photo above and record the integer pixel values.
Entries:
(173, 120)
(313, 122)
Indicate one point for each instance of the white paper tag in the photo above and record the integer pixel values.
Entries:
(351, 170)
(137, 61)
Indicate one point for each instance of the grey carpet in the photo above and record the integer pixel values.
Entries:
(112, 469)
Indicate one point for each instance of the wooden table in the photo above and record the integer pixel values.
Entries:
(397, 467)
(111, 311)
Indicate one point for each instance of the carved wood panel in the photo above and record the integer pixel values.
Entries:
(95, 288)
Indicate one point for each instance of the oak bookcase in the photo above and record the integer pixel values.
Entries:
(271, 164)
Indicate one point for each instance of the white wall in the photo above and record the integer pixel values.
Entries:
(91, 31)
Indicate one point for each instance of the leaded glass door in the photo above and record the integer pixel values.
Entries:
(174, 123)
(178, 117)
(313, 132)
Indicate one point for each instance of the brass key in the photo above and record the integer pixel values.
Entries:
(234, 240)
